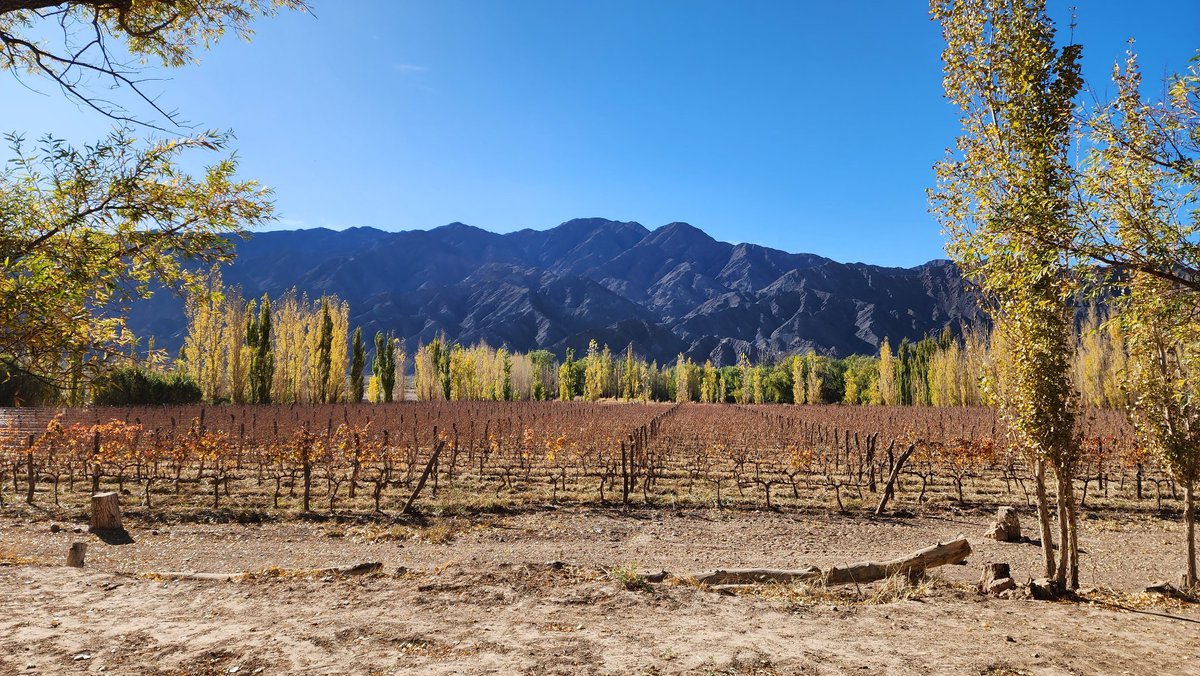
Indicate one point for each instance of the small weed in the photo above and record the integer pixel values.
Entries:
(628, 576)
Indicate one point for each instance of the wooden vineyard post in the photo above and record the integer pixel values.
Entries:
(625, 462)
(30, 474)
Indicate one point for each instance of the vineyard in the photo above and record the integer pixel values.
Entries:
(486, 455)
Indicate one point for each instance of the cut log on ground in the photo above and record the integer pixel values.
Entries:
(654, 575)
(366, 568)
(940, 554)
(1043, 589)
(76, 553)
(1007, 527)
(106, 512)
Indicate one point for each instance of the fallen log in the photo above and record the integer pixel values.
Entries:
(741, 576)
(863, 572)
(940, 554)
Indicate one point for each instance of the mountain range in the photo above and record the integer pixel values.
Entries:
(668, 290)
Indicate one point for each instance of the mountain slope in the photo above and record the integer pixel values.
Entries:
(669, 290)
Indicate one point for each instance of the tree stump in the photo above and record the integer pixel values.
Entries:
(1043, 589)
(996, 578)
(75, 554)
(105, 520)
(1007, 527)
(106, 512)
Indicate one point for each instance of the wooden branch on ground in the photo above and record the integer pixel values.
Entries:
(863, 572)
(940, 554)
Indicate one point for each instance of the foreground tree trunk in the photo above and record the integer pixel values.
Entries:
(1043, 509)
(1189, 520)
(1066, 576)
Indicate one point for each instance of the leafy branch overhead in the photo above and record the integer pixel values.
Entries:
(71, 42)
(83, 231)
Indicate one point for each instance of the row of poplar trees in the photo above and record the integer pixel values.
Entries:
(1034, 223)
(290, 350)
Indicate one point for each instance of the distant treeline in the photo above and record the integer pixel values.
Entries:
(298, 350)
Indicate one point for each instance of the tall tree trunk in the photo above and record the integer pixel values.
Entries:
(1062, 495)
(1189, 520)
(1073, 530)
(1043, 508)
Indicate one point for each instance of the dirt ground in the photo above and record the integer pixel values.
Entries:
(528, 592)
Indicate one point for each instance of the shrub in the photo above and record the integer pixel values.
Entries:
(133, 386)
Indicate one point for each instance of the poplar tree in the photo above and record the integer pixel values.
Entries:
(358, 362)
(708, 383)
(1008, 174)
(888, 388)
(324, 354)
(566, 377)
(1141, 177)
(383, 367)
(262, 358)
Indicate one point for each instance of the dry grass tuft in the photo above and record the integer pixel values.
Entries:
(1125, 601)
(442, 533)
(816, 592)
(11, 559)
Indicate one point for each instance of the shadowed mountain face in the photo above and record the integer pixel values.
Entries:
(670, 290)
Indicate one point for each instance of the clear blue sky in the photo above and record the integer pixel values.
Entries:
(801, 125)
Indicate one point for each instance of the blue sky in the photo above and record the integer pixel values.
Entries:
(810, 127)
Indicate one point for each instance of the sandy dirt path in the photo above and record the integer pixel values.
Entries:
(483, 598)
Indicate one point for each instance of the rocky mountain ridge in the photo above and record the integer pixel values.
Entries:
(668, 290)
